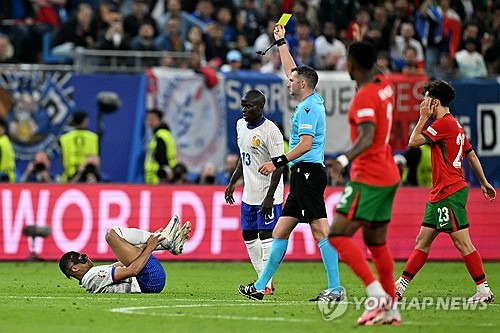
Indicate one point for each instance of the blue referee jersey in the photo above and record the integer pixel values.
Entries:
(309, 118)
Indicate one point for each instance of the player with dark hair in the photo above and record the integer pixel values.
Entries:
(366, 202)
(445, 211)
(259, 140)
(305, 202)
(137, 269)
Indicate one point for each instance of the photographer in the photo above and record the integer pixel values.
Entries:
(38, 170)
(89, 172)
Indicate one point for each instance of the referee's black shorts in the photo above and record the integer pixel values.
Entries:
(306, 200)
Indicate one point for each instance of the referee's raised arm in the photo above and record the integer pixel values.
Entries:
(286, 58)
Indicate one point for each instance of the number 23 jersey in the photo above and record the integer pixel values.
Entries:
(257, 145)
(448, 147)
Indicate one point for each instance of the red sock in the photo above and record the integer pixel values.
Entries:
(353, 257)
(474, 265)
(382, 259)
(414, 264)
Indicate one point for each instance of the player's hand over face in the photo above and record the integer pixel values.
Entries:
(228, 194)
(336, 172)
(488, 191)
(266, 209)
(426, 107)
(279, 32)
(267, 168)
(154, 240)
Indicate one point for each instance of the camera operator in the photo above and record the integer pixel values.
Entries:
(38, 170)
(89, 172)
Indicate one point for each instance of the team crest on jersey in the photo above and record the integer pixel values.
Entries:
(255, 141)
(39, 105)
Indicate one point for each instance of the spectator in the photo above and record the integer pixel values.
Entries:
(7, 156)
(233, 60)
(447, 69)
(249, 21)
(245, 50)
(215, 32)
(331, 51)
(305, 54)
(186, 20)
(145, 39)
(137, 18)
(79, 31)
(303, 32)
(170, 39)
(230, 164)
(274, 65)
(362, 18)
(470, 62)
(89, 172)
(38, 170)
(161, 155)
(77, 144)
(265, 39)
(402, 42)
(491, 50)
(208, 72)
(207, 175)
(17, 20)
(256, 64)
(471, 30)
(197, 42)
(384, 62)
(6, 49)
(114, 37)
(224, 19)
(204, 11)
(411, 65)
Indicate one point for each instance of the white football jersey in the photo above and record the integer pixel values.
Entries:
(257, 145)
(99, 279)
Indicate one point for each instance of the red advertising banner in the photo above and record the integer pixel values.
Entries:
(80, 216)
(408, 89)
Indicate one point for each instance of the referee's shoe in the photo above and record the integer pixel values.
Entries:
(250, 292)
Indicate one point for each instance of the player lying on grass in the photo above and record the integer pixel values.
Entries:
(445, 211)
(137, 269)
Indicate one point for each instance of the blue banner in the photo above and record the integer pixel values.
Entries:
(236, 84)
(477, 108)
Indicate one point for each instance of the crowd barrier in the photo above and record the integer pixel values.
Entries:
(79, 217)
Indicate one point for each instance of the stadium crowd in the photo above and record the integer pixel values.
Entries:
(445, 38)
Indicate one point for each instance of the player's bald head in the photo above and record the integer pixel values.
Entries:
(255, 96)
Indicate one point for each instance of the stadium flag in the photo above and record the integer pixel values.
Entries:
(195, 114)
(80, 216)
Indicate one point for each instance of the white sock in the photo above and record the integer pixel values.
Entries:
(132, 235)
(483, 287)
(375, 289)
(255, 253)
(266, 250)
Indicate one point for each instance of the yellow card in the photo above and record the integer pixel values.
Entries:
(284, 19)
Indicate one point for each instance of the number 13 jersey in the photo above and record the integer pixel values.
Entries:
(449, 145)
(257, 145)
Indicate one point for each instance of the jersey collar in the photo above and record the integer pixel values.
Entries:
(260, 123)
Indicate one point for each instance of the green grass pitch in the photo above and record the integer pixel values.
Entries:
(202, 297)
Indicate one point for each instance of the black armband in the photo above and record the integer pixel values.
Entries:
(280, 42)
(280, 161)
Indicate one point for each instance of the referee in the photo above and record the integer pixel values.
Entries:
(305, 202)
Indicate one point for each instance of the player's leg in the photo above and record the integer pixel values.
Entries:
(266, 226)
(124, 251)
(417, 259)
(281, 234)
(319, 229)
(461, 240)
(250, 234)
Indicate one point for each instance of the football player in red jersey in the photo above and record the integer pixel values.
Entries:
(445, 211)
(367, 199)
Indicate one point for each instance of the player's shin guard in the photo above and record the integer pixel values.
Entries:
(331, 261)
(353, 257)
(278, 251)
(414, 264)
(384, 264)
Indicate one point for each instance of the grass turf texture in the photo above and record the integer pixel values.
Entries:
(202, 297)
